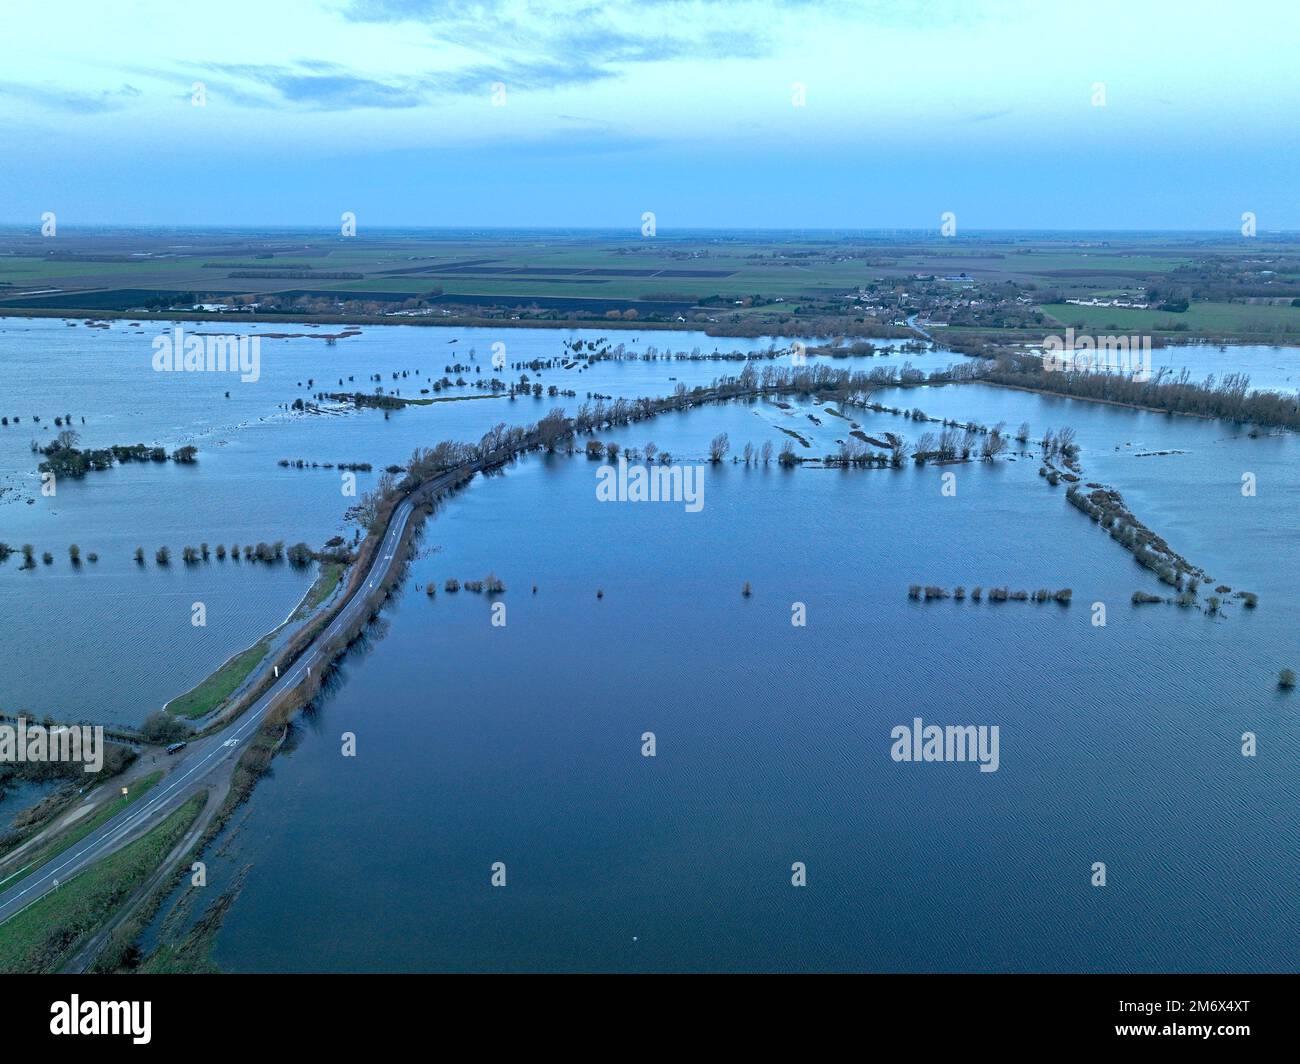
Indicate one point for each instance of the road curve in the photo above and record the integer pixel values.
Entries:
(194, 768)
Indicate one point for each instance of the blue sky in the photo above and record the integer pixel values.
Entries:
(686, 108)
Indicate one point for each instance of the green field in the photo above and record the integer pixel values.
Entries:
(1261, 320)
(753, 282)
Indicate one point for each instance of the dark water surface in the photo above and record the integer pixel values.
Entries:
(522, 744)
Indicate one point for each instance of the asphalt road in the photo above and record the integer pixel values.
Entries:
(194, 768)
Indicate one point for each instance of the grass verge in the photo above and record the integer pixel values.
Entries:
(83, 828)
(44, 935)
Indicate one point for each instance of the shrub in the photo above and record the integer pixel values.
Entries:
(160, 727)
(300, 555)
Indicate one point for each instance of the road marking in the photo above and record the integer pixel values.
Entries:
(113, 831)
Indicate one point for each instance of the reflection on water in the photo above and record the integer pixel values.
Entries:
(522, 744)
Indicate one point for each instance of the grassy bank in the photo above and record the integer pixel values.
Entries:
(322, 589)
(43, 936)
(204, 698)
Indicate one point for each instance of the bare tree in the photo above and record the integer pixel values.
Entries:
(995, 443)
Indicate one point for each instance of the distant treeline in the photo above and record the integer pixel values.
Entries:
(361, 399)
(502, 443)
(258, 266)
(300, 463)
(1107, 507)
(319, 275)
(298, 555)
(63, 459)
(1229, 398)
(930, 592)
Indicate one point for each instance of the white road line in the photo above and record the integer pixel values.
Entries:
(255, 716)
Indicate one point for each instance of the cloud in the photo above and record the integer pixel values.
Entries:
(319, 86)
(533, 46)
(68, 100)
(614, 32)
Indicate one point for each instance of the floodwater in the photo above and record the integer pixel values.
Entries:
(524, 742)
